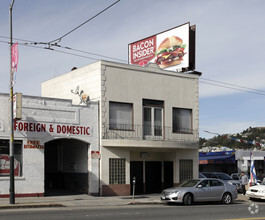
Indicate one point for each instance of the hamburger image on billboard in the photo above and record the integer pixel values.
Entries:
(170, 52)
(168, 49)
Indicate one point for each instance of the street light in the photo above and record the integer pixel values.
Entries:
(11, 144)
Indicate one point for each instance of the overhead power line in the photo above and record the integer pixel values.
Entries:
(69, 32)
(235, 88)
(202, 80)
(234, 85)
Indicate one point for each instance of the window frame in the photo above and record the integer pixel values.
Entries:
(153, 130)
(178, 129)
(185, 169)
(121, 127)
(18, 154)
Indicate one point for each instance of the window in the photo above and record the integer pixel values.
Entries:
(153, 117)
(5, 159)
(117, 171)
(121, 116)
(205, 183)
(185, 170)
(216, 183)
(182, 120)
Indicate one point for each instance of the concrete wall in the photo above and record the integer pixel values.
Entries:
(50, 113)
(88, 79)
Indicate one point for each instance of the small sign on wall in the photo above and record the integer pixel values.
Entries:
(144, 155)
(33, 144)
(17, 106)
(95, 155)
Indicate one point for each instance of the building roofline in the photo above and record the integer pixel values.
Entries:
(52, 99)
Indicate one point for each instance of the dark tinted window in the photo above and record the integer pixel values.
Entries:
(210, 175)
(205, 183)
(223, 176)
(216, 183)
(189, 183)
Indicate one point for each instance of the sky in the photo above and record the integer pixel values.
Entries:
(230, 48)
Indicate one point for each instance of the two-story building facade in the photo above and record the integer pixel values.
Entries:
(148, 123)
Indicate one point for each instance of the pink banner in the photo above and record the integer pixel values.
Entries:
(14, 50)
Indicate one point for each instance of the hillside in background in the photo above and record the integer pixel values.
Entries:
(256, 135)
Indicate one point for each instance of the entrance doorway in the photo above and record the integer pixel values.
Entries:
(153, 176)
(66, 167)
(168, 174)
(136, 170)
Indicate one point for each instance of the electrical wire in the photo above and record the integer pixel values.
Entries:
(220, 84)
(94, 54)
(69, 32)
(230, 84)
(229, 87)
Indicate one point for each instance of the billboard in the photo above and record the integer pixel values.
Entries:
(173, 49)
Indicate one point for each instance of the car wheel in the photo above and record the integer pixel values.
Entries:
(227, 198)
(187, 200)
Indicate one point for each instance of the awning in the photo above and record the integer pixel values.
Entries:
(217, 159)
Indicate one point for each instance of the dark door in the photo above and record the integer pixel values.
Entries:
(153, 177)
(136, 170)
(168, 174)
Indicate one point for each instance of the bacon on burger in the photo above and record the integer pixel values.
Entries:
(170, 52)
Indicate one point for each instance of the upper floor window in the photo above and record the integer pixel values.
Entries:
(182, 120)
(121, 115)
(153, 118)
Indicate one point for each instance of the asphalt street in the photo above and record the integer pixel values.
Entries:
(125, 207)
(139, 212)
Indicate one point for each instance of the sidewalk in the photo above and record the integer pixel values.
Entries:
(82, 200)
(85, 201)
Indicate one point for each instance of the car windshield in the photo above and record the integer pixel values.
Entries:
(208, 175)
(223, 176)
(189, 183)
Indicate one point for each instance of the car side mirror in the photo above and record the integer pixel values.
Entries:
(199, 186)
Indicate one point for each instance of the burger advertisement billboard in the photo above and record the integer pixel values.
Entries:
(170, 50)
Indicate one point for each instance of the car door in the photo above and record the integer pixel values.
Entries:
(216, 190)
(202, 193)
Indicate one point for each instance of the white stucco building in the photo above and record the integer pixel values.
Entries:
(52, 146)
(148, 123)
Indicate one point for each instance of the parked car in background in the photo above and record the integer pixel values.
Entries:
(256, 192)
(200, 190)
(223, 176)
(237, 176)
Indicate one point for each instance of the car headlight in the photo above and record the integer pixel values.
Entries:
(173, 192)
(262, 191)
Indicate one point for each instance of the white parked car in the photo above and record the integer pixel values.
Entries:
(256, 192)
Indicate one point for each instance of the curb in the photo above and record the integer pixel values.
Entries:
(145, 203)
(18, 206)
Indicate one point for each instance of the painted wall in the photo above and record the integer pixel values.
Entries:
(51, 114)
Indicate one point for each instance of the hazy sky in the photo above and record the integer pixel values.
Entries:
(230, 47)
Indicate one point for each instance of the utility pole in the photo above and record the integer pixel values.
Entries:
(11, 144)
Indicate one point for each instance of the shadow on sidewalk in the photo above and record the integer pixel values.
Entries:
(61, 192)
